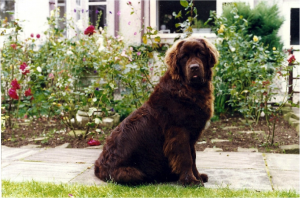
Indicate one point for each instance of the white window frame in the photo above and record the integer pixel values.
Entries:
(169, 38)
(284, 31)
(220, 3)
(95, 4)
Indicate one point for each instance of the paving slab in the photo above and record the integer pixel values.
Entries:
(233, 160)
(284, 170)
(285, 180)
(88, 178)
(218, 140)
(87, 156)
(237, 178)
(65, 145)
(252, 132)
(283, 161)
(230, 127)
(213, 150)
(18, 153)
(5, 163)
(31, 146)
(95, 147)
(240, 149)
(39, 171)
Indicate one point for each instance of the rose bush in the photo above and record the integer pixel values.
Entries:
(246, 72)
(63, 76)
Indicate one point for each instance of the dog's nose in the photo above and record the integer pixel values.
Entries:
(194, 67)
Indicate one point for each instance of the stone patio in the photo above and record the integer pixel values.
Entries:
(237, 170)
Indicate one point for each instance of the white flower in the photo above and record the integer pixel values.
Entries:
(120, 38)
(101, 48)
(232, 49)
(69, 52)
(100, 41)
(97, 121)
(262, 114)
(39, 69)
(123, 53)
(52, 13)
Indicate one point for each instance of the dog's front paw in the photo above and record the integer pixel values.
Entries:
(204, 177)
(190, 180)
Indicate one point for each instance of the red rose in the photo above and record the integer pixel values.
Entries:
(92, 142)
(14, 46)
(89, 30)
(13, 94)
(15, 85)
(23, 68)
(28, 93)
(38, 36)
(32, 35)
(291, 58)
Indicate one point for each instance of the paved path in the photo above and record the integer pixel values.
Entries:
(237, 169)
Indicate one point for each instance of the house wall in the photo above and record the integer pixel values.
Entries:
(33, 16)
(130, 23)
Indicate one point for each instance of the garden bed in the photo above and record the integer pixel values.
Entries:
(52, 133)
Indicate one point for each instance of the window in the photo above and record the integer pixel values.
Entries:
(62, 7)
(7, 7)
(97, 8)
(294, 27)
(166, 21)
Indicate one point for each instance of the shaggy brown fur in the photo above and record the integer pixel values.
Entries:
(156, 143)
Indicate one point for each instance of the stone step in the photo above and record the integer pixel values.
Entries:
(293, 122)
(213, 150)
(290, 149)
(218, 140)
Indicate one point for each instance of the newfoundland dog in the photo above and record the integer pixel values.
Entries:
(156, 143)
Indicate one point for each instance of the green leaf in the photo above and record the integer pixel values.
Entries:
(184, 3)
(195, 10)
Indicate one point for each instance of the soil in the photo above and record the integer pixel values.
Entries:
(55, 134)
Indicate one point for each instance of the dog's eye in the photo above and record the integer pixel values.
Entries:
(185, 56)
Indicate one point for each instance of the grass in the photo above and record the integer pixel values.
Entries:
(40, 189)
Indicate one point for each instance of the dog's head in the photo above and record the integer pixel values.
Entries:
(191, 60)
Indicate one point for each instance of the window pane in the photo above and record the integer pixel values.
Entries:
(61, 1)
(7, 6)
(295, 26)
(94, 12)
(62, 24)
(97, 0)
(166, 21)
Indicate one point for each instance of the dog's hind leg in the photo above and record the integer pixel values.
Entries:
(128, 175)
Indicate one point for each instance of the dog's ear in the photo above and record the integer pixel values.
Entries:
(171, 59)
(213, 53)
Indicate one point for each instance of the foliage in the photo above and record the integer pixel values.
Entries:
(263, 21)
(67, 75)
(246, 71)
(186, 26)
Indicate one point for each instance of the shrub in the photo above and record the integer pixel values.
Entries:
(263, 21)
(58, 75)
(245, 70)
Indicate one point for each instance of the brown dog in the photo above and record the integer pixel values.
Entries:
(156, 143)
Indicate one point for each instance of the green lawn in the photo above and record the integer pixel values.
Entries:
(40, 189)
